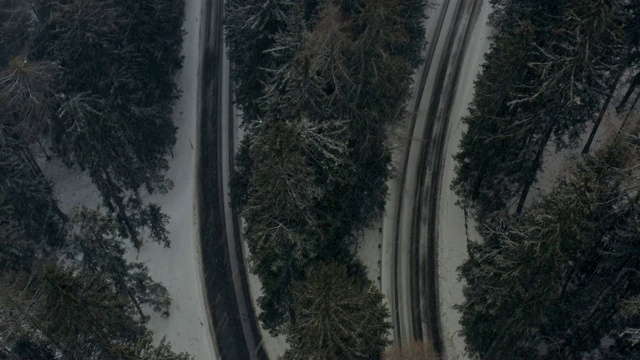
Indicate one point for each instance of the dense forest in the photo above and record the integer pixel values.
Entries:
(319, 84)
(557, 279)
(91, 83)
(550, 73)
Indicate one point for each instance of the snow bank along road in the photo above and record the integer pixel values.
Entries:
(410, 226)
(235, 323)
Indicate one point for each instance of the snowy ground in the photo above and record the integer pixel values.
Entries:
(188, 327)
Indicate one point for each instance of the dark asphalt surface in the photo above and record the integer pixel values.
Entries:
(225, 306)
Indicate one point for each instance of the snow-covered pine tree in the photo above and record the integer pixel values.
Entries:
(114, 118)
(31, 224)
(95, 246)
(549, 72)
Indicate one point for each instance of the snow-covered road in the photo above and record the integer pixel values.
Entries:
(452, 227)
(413, 234)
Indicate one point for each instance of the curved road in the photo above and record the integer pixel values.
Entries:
(410, 224)
(236, 327)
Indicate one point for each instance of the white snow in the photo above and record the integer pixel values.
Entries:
(188, 328)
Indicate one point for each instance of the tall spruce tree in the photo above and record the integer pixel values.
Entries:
(283, 230)
(338, 316)
(96, 247)
(31, 223)
(633, 37)
(312, 169)
(114, 114)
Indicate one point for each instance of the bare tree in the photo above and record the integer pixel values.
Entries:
(26, 95)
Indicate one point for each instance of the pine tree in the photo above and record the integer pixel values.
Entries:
(633, 42)
(100, 250)
(26, 93)
(475, 180)
(31, 224)
(313, 166)
(337, 317)
(283, 231)
(114, 116)
(20, 20)
(251, 28)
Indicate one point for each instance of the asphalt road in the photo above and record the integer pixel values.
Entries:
(236, 327)
(410, 228)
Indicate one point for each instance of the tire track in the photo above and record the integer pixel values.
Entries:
(432, 161)
(425, 71)
(415, 223)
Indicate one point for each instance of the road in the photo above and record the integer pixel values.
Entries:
(235, 323)
(410, 225)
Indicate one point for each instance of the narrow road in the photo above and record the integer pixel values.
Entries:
(410, 226)
(235, 323)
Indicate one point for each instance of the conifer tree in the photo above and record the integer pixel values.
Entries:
(114, 116)
(30, 222)
(633, 37)
(312, 169)
(251, 28)
(283, 230)
(100, 250)
(337, 317)
(26, 96)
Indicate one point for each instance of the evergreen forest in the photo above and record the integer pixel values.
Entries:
(555, 276)
(90, 83)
